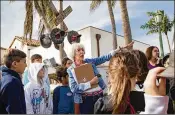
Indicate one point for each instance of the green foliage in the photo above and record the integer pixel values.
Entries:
(153, 27)
(43, 8)
(28, 23)
(96, 3)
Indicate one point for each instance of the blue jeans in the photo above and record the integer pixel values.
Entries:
(87, 107)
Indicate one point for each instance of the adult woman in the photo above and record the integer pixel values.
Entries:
(152, 54)
(83, 95)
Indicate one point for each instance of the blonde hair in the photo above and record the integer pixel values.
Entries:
(122, 67)
(75, 46)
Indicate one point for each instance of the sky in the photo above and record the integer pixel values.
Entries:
(13, 15)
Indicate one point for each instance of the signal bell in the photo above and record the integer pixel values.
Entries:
(57, 36)
(45, 41)
(73, 37)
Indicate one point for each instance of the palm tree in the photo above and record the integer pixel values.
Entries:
(165, 25)
(125, 19)
(125, 22)
(111, 4)
(45, 12)
(47, 15)
(62, 52)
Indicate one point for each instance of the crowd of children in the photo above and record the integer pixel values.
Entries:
(133, 85)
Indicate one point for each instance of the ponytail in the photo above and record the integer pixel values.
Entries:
(122, 89)
(122, 67)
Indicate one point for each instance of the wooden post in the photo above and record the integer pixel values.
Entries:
(98, 36)
(28, 57)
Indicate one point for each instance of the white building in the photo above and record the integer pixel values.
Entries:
(3, 51)
(93, 48)
(88, 39)
(25, 46)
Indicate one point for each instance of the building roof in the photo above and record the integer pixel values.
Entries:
(2, 48)
(111, 33)
(32, 42)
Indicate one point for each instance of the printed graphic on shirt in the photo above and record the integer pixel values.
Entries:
(37, 96)
(69, 94)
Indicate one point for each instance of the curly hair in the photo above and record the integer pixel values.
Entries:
(143, 62)
(122, 67)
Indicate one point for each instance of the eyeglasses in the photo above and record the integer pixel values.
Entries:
(69, 63)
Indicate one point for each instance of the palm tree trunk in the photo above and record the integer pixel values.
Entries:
(168, 42)
(42, 16)
(173, 41)
(62, 52)
(111, 14)
(125, 22)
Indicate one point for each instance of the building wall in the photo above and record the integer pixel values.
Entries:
(88, 39)
(2, 55)
(27, 49)
(17, 45)
(106, 42)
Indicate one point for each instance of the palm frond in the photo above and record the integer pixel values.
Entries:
(166, 24)
(50, 15)
(113, 3)
(28, 23)
(41, 14)
(152, 32)
(151, 14)
(95, 4)
(37, 7)
(47, 11)
(11, 1)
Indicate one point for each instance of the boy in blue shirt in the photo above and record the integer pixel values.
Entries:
(12, 99)
(62, 96)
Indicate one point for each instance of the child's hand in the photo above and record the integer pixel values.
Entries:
(150, 86)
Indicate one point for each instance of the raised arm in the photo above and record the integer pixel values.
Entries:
(156, 101)
(102, 59)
